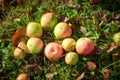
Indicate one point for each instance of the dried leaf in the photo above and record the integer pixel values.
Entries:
(106, 73)
(111, 47)
(16, 19)
(34, 69)
(51, 75)
(81, 76)
(83, 29)
(5, 5)
(94, 20)
(19, 2)
(70, 3)
(4, 36)
(17, 36)
(91, 65)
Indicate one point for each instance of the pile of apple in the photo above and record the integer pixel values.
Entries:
(53, 50)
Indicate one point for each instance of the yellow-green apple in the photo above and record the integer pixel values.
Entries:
(62, 30)
(23, 76)
(35, 45)
(71, 58)
(34, 29)
(53, 51)
(23, 45)
(116, 38)
(19, 53)
(48, 21)
(68, 44)
(85, 46)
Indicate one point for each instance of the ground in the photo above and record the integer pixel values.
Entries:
(99, 22)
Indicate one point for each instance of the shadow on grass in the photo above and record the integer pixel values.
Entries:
(111, 5)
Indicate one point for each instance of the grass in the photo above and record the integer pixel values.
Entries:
(87, 21)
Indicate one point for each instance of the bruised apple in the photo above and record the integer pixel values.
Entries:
(48, 21)
(19, 53)
(68, 44)
(116, 38)
(53, 51)
(85, 46)
(35, 45)
(71, 58)
(34, 30)
(23, 76)
(62, 30)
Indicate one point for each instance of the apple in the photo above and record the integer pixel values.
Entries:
(23, 76)
(48, 21)
(62, 30)
(116, 38)
(34, 30)
(35, 45)
(23, 45)
(53, 51)
(71, 58)
(85, 46)
(68, 44)
(94, 1)
(19, 53)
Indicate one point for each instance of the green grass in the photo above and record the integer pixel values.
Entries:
(80, 16)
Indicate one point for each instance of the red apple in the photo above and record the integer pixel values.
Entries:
(35, 45)
(19, 53)
(68, 44)
(53, 51)
(48, 21)
(71, 58)
(34, 30)
(23, 76)
(116, 38)
(85, 46)
(62, 30)
(94, 1)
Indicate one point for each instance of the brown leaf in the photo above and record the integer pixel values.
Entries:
(4, 36)
(111, 47)
(5, 5)
(81, 76)
(17, 36)
(94, 20)
(106, 73)
(91, 65)
(34, 68)
(70, 3)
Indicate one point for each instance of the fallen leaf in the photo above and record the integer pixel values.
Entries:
(17, 36)
(106, 73)
(91, 65)
(70, 3)
(83, 29)
(81, 76)
(111, 47)
(94, 20)
(34, 69)
(51, 75)
(16, 19)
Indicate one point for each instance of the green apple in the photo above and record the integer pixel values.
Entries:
(68, 44)
(34, 30)
(116, 38)
(35, 45)
(71, 58)
(48, 21)
(62, 30)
